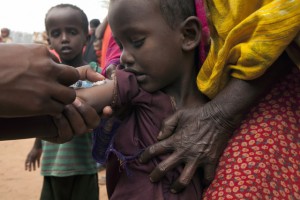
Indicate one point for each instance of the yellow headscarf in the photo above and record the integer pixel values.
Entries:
(247, 36)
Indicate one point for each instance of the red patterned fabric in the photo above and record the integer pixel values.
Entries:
(262, 160)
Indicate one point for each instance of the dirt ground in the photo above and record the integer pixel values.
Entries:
(15, 182)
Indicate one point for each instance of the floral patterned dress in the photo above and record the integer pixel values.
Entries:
(262, 160)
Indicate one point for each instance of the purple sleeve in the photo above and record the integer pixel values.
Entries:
(129, 90)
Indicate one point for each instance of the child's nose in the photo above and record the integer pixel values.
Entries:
(126, 58)
(64, 37)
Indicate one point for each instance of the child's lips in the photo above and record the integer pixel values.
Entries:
(66, 50)
(141, 78)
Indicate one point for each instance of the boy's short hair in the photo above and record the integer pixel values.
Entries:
(85, 22)
(176, 11)
(94, 23)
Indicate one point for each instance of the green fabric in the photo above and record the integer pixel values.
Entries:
(95, 67)
(71, 158)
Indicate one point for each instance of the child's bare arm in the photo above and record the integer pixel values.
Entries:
(98, 96)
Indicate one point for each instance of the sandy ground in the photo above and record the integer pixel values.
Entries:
(15, 182)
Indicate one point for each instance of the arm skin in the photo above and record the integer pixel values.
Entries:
(75, 119)
(32, 83)
(197, 138)
(99, 96)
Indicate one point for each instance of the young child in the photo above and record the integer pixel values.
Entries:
(159, 42)
(69, 170)
(5, 36)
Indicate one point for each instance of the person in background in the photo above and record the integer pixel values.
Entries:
(5, 36)
(89, 54)
(107, 50)
(69, 170)
(40, 38)
(98, 40)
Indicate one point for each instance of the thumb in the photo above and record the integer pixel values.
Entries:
(209, 174)
(168, 126)
(87, 73)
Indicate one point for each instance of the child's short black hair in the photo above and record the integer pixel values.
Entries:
(94, 23)
(85, 22)
(176, 11)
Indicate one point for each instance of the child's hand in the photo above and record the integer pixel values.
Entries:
(33, 159)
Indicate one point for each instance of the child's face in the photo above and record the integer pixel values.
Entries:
(150, 48)
(4, 33)
(66, 35)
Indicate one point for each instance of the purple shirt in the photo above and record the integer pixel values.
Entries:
(126, 177)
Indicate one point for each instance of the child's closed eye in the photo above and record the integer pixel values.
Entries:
(119, 44)
(138, 43)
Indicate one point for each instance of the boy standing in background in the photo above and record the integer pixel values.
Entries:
(69, 170)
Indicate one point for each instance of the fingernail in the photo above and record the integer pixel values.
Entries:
(140, 160)
(173, 191)
(159, 135)
(77, 103)
(151, 180)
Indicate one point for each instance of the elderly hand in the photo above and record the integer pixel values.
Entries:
(196, 138)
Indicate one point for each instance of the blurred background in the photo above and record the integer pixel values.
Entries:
(25, 19)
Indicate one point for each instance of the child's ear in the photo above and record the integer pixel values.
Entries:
(191, 33)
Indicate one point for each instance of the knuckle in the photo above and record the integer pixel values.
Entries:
(162, 168)
(152, 149)
(184, 181)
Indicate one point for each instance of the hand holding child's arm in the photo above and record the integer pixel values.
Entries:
(198, 137)
(31, 83)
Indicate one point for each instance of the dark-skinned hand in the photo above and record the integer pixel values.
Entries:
(196, 138)
(33, 158)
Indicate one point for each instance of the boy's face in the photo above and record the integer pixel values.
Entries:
(150, 48)
(66, 35)
(4, 32)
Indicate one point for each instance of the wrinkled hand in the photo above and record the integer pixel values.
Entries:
(33, 159)
(32, 83)
(196, 138)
